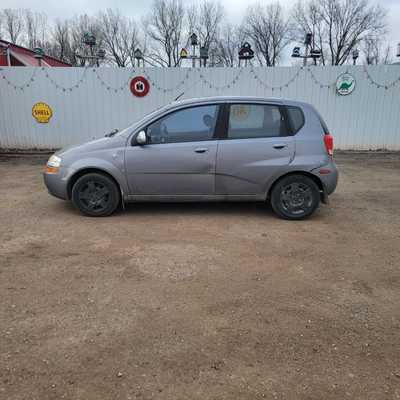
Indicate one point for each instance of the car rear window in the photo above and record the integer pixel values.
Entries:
(248, 121)
(296, 117)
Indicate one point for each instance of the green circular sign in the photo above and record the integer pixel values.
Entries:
(345, 84)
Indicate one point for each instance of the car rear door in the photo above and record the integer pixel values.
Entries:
(256, 146)
(179, 158)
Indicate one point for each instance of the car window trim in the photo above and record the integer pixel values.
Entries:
(214, 136)
(221, 130)
(281, 108)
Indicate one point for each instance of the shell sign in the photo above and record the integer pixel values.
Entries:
(42, 112)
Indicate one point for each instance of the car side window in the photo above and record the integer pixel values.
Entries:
(188, 125)
(255, 121)
(296, 116)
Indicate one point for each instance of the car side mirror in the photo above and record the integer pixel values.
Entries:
(141, 138)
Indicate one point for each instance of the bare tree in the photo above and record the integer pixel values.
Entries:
(13, 24)
(164, 28)
(61, 43)
(205, 20)
(308, 19)
(228, 45)
(348, 23)
(339, 26)
(1, 24)
(120, 37)
(78, 27)
(376, 51)
(268, 29)
(35, 28)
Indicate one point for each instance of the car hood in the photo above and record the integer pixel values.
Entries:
(93, 145)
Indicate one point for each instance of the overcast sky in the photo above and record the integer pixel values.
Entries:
(234, 9)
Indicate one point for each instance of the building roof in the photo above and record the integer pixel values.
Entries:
(15, 55)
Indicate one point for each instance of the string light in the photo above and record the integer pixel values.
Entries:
(317, 82)
(65, 88)
(202, 78)
(163, 89)
(24, 85)
(216, 87)
(119, 88)
(271, 87)
(385, 86)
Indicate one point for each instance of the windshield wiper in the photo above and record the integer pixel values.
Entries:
(112, 133)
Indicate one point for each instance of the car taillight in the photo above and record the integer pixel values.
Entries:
(328, 141)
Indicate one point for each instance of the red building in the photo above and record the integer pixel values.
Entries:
(12, 55)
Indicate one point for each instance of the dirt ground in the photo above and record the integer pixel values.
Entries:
(201, 301)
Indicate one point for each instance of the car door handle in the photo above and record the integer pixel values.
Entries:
(279, 146)
(201, 150)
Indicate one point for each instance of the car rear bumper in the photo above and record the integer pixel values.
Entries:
(328, 175)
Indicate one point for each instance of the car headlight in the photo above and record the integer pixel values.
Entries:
(53, 164)
(54, 161)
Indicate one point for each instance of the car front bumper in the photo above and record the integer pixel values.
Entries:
(57, 183)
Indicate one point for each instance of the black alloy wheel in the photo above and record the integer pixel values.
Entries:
(295, 197)
(95, 195)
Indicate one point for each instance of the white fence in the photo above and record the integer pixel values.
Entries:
(87, 103)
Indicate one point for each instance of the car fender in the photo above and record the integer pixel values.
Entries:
(289, 169)
(87, 163)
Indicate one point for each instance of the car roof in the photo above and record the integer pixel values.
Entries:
(233, 99)
(229, 99)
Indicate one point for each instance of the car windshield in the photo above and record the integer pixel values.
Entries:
(129, 129)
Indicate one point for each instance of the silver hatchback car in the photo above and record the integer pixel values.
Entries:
(209, 149)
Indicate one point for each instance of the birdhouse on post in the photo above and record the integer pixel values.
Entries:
(89, 39)
(246, 53)
(194, 42)
(296, 52)
(39, 54)
(183, 53)
(193, 39)
(203, 55)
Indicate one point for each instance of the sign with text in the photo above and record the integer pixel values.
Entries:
(42, 112)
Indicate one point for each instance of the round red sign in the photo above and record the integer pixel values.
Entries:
(140, 86)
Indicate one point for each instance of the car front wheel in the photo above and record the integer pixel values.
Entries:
(295, 197)
(95, 195)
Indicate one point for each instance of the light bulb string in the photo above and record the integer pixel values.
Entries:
(190, 73)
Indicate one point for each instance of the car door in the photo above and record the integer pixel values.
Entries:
(179, 156)
(256, 146)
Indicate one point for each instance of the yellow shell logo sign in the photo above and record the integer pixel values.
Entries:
(42, 112)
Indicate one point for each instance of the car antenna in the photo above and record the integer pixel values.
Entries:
(179, 96)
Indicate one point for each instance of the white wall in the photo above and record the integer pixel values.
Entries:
(87, 103)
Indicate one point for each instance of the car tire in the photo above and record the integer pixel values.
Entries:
(295, 197)
(95, 195)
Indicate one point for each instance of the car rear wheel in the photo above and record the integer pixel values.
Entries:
(95, 195)
(295, 197)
